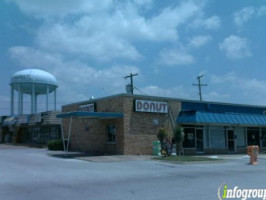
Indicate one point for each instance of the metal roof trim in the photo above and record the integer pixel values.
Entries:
(222, 118)
(90, 115)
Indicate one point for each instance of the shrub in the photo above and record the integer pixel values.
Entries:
(162, 135)
(179, 136)
(55, 145)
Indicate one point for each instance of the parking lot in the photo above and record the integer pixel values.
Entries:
(31, 173)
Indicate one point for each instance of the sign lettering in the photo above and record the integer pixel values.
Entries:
(151, 106)
(87, 108)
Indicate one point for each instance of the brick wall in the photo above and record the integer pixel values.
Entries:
(135, 132)
(89, 135)
(139, 128)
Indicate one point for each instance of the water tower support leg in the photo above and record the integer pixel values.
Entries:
(21, 106)
(35, 103)
(32, 98)
(55, 100)
(47, 96)
(19, 101)
(12, 101)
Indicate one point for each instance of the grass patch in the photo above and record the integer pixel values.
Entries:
(186, 158)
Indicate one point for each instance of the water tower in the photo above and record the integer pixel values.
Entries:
(33, 82)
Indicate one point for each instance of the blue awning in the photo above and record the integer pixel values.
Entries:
(101, 115)
(197, 117)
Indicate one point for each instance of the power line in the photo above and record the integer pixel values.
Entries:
(200, 85)
(141, 91)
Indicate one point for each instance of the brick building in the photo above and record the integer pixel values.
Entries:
(128, 124)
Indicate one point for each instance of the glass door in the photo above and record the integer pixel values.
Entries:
(231, 140)
(199, 140)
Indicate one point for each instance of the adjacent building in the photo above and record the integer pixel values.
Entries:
(37, 128)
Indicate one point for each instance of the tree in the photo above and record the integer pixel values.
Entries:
(179, 139)
(162, 135)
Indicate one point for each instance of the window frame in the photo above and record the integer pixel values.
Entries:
(113, 134)
(186, 137)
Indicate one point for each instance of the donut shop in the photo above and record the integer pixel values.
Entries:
(128, 124)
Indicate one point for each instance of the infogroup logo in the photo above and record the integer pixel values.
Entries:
(237, 193)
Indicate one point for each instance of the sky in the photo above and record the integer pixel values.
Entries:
(89, 46)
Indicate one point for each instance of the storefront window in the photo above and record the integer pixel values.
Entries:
(253, 136)
(111, 134)
(189, 140)
(41, 134)
(217, 137)
(240, 136)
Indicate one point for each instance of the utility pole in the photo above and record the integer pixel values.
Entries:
(131, 81)
(199, 85)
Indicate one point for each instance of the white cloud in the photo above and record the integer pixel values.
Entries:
(164, 25)
(199, 41)
(175, 92)
(184, 93)
(243, 15)
(61, 8)
(241, 90)
(211, 23)
(235, 47)
(109, 36)
(175, 57)
(248, 13)
(146, 3)
(29, 57)
(86, 41)
(110, 29)
(216, 96)
(261, 11)
(181, 56)
(229, 77)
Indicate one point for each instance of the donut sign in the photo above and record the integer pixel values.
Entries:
(151, 106)
(87, 108)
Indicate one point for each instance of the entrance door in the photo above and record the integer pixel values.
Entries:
(231, 140)
(199, 140)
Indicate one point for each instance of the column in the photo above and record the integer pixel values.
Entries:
(55, 99)
(47, 97)
(21, 105)
(12, 101)
(35, 101)
(32, 98)
(19, 100)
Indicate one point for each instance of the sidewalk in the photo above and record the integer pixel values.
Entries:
(104, 158)
(117, 158)
(233, 156)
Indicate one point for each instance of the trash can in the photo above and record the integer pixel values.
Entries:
(156, 148)
(253, 152)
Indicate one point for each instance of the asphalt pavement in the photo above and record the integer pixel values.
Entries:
(34, 174)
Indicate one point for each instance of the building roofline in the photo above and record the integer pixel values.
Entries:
(93, 100)
(163, 99)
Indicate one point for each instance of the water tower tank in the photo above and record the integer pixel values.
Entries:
(32, 82)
